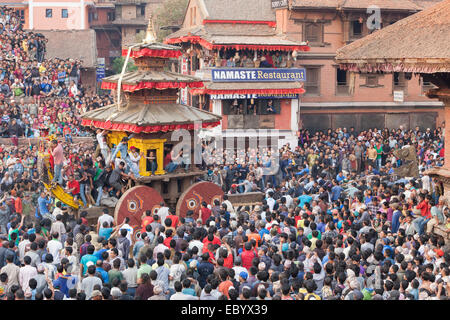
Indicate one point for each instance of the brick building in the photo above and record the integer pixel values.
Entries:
(117, 23)
(226, 37)
(329, 101)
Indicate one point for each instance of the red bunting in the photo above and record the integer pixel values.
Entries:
(108, 125)
(151, 85)
(146, 52)
(248, 91)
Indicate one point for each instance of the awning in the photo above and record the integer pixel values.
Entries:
(250, 88)
(107, 125)
(272, 43)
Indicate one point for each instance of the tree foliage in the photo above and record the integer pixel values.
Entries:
(169, 13)
(118, 62)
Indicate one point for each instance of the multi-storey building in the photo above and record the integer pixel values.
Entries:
(336, 98)
(246, 67)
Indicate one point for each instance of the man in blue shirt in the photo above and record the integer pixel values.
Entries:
(46, 87)
(101, 271)
(42, 208)
(304, 198)
(336, 191)
(87, 260)
(340, 177)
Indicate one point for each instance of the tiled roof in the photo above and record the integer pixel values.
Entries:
(418, 43)
(151, 114)
(250, 10)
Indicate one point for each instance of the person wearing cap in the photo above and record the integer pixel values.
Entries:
(243, 276)
(96, 295)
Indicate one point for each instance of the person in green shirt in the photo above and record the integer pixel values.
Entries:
(15, 229)
(115, 273)
(88, 260)
(379, 149)
(144, 267)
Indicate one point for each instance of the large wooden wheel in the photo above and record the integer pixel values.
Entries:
(192, 198)
(134, 202)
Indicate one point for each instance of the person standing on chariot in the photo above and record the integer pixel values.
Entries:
(123, 148)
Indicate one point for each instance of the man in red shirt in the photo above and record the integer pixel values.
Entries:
(247, 255)
(73, 187)
(211, 238)
(147, 220)
(225, 285)
(205, 212)
(168, 238)
(175, 220)
(425, 212)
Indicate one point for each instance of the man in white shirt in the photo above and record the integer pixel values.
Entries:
(196, 243)
(127, 227)
(88, 283)
(289, 200)
(104, 150)
(426, 182)
(270, 201)
(229, 205)
(22, 246)
(58, 227)
(25, 274)
(105, 217)
(178, 295)
(57, 210)
(54, 247)
(163, 212)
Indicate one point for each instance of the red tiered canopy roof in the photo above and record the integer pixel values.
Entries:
(157, 50)
(151, 79)
(150, 118)
(152, 85)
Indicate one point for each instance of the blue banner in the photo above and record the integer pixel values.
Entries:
(100, 69)
(258, 75)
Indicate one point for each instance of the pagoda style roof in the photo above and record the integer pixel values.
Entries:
(149, 118)
(393, 5)
(248, 10)
(238, 36)
(156, 49)
(418, 43)
(148, 79)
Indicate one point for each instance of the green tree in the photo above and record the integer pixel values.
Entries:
(117, 65)
(169, 13)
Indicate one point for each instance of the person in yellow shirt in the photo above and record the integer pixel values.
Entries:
(42, 69)
(371, 155)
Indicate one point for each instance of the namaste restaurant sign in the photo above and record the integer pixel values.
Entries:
(258, 75)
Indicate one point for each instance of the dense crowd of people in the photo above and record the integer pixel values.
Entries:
(38, 97)
(336, 223)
